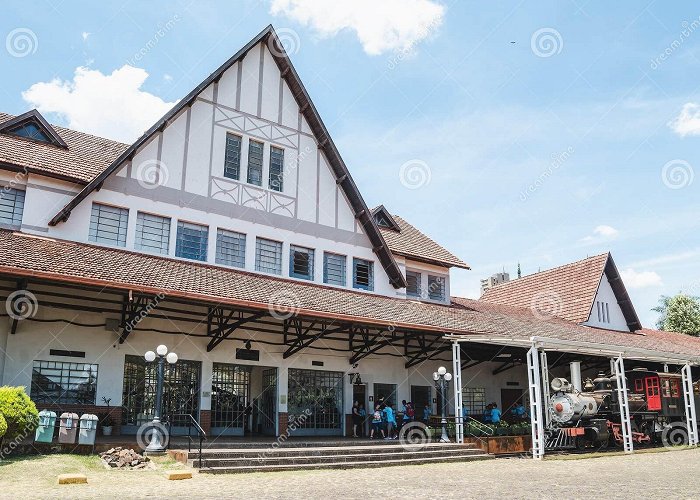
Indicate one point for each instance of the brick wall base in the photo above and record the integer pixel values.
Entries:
(205, 420)
(284, 422)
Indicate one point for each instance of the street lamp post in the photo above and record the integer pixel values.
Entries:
(156, 446)
(443, 377)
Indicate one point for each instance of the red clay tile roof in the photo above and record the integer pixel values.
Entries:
(567, 291)
(412, 243)
(71, 262)
(86, 156)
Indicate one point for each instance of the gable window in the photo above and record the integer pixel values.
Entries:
(413, 280)
(363, 274)
(32, 131)
(232, 159)
(276, 168)
(191, 241)
(301, 262)
(108, 224)
(152, 233)
(603, 309)
(334, 269)
(230, 248)
(607, 312)
(60, 382)
(255, 162)
(11, 206)
(436, 288)
(268, 256)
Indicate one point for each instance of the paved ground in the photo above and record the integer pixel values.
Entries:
(644, 475)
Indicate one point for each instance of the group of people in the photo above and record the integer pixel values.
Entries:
(384, 421)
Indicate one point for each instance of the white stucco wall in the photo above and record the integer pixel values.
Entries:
(606, 295)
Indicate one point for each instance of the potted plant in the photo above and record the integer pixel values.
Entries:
(106, 421)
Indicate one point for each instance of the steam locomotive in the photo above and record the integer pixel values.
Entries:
(590, 416)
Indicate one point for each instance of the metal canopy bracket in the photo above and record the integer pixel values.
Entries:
(134, 309)
(302, 338)
(221, 325)
(369, 344)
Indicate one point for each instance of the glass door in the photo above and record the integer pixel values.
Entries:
(315, 402)
(230, 396)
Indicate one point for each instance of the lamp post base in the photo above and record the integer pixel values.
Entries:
(156, 446)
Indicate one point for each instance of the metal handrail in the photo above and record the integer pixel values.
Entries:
(191, 422)
(480, 425)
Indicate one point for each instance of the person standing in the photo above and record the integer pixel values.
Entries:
(390, 421)
(356, 419)
(363, 420)
(377, 423)
(495, 413)
(426, 414)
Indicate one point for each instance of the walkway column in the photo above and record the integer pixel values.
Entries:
(282, 394)
(621, 380)
(535, 392)
(457, 374)
(689, 399)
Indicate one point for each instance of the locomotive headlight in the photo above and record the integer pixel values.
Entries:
(557, 384)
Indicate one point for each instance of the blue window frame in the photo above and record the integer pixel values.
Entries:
(268, 256)
(108, 224)
(152, 233)
(413, 280)
(255, 162)
(301, 262)
(436, 288)
(30, 130)
(230, 248)
(11, 206)
(276, 169)
(192, 241)
(362, 274)
(334, 269)
(232, 159)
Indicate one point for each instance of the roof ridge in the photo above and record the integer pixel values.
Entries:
(538, 273)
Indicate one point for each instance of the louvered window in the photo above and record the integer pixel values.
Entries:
(108, 225)
(152, 233)
(230, 248)
(301, 262)
(413, 284)
(363, 274)
(191, 241)
(334, 269)
(276, 168)
(436, 288)
(255, 162)
(268, 256)
(11, 206)
(232, 160)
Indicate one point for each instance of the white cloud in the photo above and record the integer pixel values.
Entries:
(380, 26)
(601, 233)
(85, 35)
(688, 121)
(642, 279)
(112, 106)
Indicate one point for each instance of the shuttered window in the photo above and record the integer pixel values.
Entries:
(230, 248)
(363, 274)
(232, 160)
(191, 241)
(255, 162)
(11, 206)
(268, 256)
(108, 225)
(152, 233)
(276, 168)
(334, 269)
(413, 284)
(436, 288)
(301, 262)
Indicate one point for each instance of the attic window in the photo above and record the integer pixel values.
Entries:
(30, 130)
(382, 221)
(32, 126)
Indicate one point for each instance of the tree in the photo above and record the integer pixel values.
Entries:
(680, 313)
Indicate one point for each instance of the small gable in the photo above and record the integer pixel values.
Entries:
(32, 126)
(384, 219)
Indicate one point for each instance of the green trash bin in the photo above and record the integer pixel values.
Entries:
(47, 423)
(88, 429)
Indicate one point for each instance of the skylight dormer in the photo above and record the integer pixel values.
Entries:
(383, 218)
(33, 127)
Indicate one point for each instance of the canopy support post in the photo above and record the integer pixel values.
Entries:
(535, 392)
(457, 377)
(621, 380)
(689, 399)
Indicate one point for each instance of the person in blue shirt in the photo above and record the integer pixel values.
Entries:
(487, 414)
(426, 414)
(390, 417)
(465, 414)
(376, 423)
(495, 413)
(519, 411)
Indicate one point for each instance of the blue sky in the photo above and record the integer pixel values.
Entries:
(537, 133)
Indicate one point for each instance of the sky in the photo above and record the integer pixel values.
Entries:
(511, 132)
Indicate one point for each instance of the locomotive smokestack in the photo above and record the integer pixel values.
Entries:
(575, 368)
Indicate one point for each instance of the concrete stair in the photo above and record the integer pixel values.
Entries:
(328, 456)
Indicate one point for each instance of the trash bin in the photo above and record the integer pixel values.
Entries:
(68, 428)
(47, 423)
(88, 429)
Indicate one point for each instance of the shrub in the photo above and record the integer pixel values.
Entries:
(3, 426)
(19, 412)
